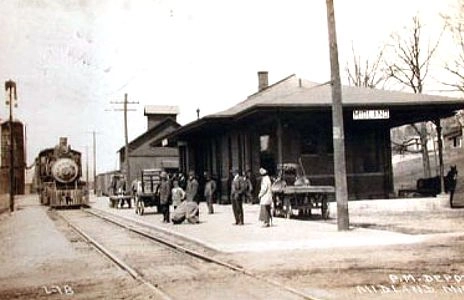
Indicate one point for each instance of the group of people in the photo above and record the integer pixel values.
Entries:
(185, 194)
(241, 189)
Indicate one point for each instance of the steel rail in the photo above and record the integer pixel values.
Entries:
(196, 254)
(120, 263)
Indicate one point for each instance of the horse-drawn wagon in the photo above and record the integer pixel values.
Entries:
(293, 194)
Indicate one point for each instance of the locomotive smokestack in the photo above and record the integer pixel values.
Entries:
(63, 141)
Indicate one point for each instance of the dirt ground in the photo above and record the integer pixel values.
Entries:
(43, 259)
(355, 273)
(432, 269)
(48, 260)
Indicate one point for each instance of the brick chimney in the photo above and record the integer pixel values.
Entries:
(262, 80)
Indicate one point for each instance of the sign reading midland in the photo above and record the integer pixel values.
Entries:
(371, 114)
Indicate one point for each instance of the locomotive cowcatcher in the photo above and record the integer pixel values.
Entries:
(58, 174)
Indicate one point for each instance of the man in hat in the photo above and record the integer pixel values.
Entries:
(192, 187)
(210, 189)
(237, 190)
(265, 198)
(164, 193)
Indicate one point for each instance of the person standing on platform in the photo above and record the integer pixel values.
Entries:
(182, 181)
(210, 189)
(192, 188)
(230, 178)
(265, 198)
(249, 187)
(164, 193)
(177, 194)
(237, 189)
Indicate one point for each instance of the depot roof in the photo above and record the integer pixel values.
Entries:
(295, 93)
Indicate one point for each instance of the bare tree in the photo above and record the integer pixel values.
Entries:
(454, 24)
(410, 67)
(364, 73)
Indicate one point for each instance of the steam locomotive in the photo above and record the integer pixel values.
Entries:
(58, 174)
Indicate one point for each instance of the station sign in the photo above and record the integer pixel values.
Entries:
(371, 114)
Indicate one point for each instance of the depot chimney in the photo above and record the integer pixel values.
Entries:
(262, 80)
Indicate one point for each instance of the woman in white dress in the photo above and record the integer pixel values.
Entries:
(265, 198)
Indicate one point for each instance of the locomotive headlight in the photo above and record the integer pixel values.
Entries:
(65, 170)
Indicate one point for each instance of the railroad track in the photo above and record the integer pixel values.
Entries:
(170, 267)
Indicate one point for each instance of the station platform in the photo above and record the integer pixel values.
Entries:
(218, 231)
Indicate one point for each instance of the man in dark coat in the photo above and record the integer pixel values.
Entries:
(237, 192)
(191, 190)
(210, 189)
(164, 193)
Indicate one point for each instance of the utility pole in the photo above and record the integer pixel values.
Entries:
(126, 135)
(87, 168)
(94, 147)
(10, 87)
(341, 190)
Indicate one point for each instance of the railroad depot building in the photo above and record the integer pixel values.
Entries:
(161, 120)
(291, 122)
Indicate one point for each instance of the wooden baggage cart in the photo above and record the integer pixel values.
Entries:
(147, 193)
(289, 200)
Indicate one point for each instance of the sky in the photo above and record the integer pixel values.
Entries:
(71, 59)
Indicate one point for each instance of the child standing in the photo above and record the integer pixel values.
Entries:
(177, 194)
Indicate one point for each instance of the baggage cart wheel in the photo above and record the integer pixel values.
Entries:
(140, 208)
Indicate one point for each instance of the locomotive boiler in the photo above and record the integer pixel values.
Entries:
(58, 174)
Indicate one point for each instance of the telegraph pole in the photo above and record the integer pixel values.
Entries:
(87, 168)
(10, 87)
(126, 140)
(94, 149)
(94, 144)
(341, 190)
(126, 135)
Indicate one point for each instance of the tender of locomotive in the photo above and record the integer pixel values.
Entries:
(58, 174)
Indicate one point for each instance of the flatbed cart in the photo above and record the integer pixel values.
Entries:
(292, 200)
(147, 193)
